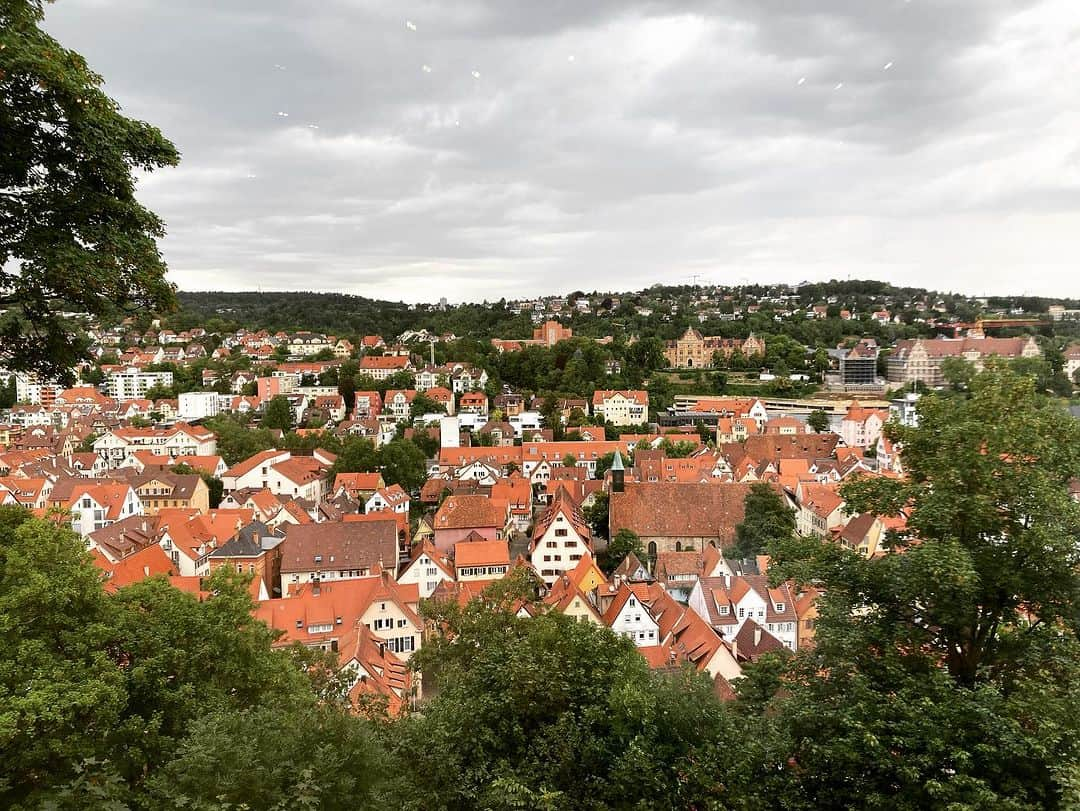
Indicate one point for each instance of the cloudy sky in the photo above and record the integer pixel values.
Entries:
(485, 148)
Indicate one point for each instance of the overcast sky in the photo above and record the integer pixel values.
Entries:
(485, 148)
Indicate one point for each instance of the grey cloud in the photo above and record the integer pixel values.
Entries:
(676, 141)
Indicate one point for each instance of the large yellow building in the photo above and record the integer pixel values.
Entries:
(695, 351)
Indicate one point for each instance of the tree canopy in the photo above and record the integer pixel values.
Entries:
(766, 518)
(144, 697)
(945, 670)
(73, 237)
(551, 713)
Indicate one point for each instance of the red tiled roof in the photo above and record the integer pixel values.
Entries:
(481, 553)
(663, 509)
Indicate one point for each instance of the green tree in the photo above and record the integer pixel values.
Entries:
(241, 760)
(818, 421)
(596, 514)
(236, 442)
(99, 691)
(8, 393)
(957, 372)
(422, 404)
(766, 519)
(569, 460)
(347, 389)
(551, 713)
(944, 669)
(988, 499)
(357, 456)
(278, 414)
(624, 542)
(403, 463)
(68, 151)
(60, 692)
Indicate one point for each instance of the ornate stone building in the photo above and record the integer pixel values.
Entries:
(695, 351)
(921, 358)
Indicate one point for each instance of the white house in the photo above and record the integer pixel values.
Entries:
(94, 506)
(427, 570)
(560, 539)
(621, 407)
(727, 602)
(392, 498)
(628, 616)
(281, 473)
(861, 427)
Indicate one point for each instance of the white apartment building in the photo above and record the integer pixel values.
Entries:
(133, 384)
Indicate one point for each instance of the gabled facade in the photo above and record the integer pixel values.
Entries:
(561, 538)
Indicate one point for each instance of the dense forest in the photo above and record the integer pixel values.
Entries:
(946, 673)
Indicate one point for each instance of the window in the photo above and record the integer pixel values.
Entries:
(560, 533)
(723, 610)
(742, 612)
(779, 607)
(552, 544)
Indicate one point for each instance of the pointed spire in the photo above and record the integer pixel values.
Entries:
(617, 463)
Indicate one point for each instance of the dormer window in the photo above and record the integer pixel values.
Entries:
(779, 607)
(723, 610)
